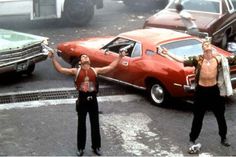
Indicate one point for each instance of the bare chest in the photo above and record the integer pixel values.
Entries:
(209, 68)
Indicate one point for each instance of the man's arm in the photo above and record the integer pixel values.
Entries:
(111, 66)
(165, 53)
(191, 61)
(59, 68)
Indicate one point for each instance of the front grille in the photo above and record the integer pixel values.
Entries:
(20, 53)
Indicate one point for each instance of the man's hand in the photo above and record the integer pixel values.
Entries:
(49, 50)
(50, 54)
(123, 53)
(163, 51)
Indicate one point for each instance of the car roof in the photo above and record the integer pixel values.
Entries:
(153, 36)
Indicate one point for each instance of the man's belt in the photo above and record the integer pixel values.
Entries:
(89, 98)
(87, 95)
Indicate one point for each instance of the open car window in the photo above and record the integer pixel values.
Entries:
(184, 48)
(119, 43)
(212, 6)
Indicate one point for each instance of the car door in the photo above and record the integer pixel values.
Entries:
(45, 9)
(127, 69)
(111, 51)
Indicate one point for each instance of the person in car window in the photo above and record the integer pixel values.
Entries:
(187, 20)
(86, 84)
(207, 95)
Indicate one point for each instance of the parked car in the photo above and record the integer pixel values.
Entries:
(216, 17)
(20, 52)
(143, 67)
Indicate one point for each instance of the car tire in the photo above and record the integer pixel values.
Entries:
(157, 94)
(78, 12)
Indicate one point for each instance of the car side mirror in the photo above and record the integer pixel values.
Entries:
(106, 51)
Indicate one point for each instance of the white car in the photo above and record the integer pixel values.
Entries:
(20, 51)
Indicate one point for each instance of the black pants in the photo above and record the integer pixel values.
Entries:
(87, 103)
(208, 98)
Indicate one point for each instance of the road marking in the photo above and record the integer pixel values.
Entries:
(31, 104)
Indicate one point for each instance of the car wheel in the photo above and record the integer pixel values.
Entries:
(78, 12)
(224, 41)
(30, 69)
(157, 94)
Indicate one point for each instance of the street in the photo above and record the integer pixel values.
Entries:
(130, 125)
(37, 125)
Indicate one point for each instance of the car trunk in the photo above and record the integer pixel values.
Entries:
(169, 19)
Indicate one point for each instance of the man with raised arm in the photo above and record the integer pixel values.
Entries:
(207, 94)
(86, 84)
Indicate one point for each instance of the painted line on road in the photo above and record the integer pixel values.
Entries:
(32, 104)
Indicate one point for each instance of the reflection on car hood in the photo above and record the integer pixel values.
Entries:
(96, 42)
(168, 18)
(91, 43)
(12, 40)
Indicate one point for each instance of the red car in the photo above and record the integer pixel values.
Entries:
(215, 17)
(143, 67)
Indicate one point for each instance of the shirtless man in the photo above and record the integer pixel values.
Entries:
(207, 95)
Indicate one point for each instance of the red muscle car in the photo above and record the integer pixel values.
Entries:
(143, 67)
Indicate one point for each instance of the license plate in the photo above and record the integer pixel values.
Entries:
(21, 66)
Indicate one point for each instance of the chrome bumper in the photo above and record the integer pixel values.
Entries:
(189, 89)
(12, 66)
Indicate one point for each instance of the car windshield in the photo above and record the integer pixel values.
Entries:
(184, 48)
(212, 6)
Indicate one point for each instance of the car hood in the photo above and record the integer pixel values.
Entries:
(167, 19)
(90, 43)
(12, 40)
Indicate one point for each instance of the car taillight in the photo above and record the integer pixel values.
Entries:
(190, 86)
(190, 79)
